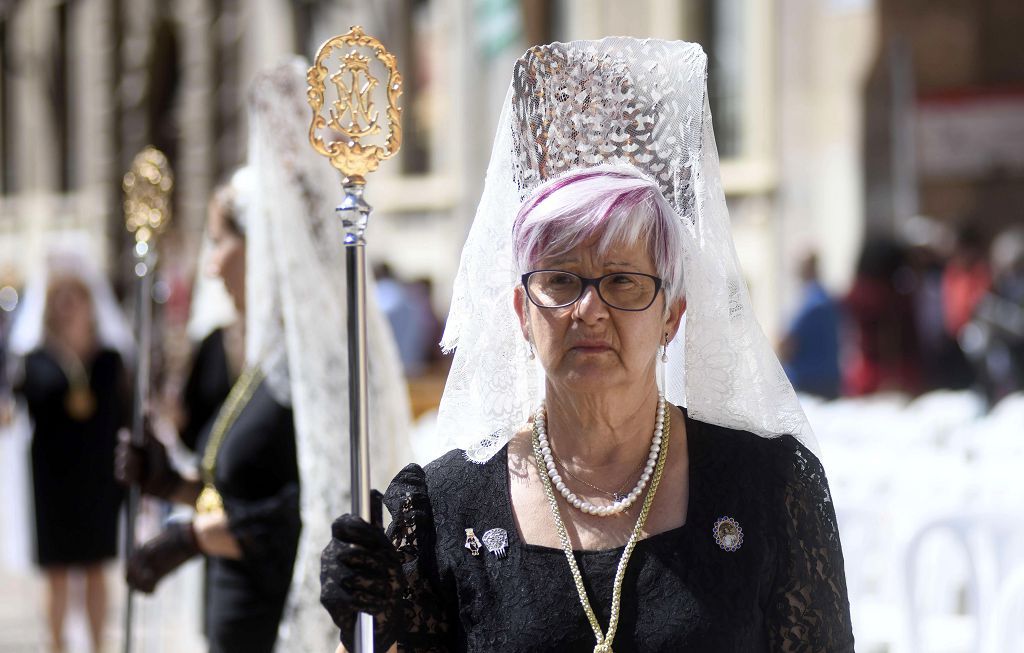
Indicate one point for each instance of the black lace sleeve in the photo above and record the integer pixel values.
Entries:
(809, 610)
(429, 624)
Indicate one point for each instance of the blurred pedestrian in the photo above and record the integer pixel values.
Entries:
(407, 307)
(929, 245)
(422, 290)
(250, 481)
(72, 340)
(966, 279)
(883, 354)
(809, 351)
(994, 338)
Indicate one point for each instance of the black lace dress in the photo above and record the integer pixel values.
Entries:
(783, 589)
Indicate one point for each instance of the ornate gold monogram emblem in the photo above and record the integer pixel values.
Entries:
(353, 115)
(355, 98)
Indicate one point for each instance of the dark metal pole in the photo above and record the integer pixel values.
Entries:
(147, 208)
(145, 260)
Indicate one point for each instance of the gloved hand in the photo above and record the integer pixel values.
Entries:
(146, 465)
(149, 563)
(361, 571)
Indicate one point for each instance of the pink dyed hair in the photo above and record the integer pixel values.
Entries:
(613, 205)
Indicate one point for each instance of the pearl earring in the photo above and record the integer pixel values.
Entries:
(664, 350)
(529, 346)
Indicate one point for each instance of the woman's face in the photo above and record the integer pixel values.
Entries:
(69, 310)
(227, 258)
(589, 345)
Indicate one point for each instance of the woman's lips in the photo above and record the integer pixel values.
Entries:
(591, 347)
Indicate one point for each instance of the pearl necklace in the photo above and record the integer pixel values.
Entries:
(619, 505)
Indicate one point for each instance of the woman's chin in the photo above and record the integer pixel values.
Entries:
(593, 375)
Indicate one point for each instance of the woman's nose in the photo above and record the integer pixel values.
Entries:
(590, 306)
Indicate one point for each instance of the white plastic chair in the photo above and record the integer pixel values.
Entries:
(966, 559)
(1006, 627)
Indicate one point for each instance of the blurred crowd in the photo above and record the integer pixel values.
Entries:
(934, 309)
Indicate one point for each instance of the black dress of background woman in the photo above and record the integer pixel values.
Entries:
(76, 496)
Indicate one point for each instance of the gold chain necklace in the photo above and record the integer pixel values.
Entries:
(604, 641)
(209, 500)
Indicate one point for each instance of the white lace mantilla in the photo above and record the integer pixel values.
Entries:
(620, 102)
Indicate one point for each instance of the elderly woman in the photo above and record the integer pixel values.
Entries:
(587, 510)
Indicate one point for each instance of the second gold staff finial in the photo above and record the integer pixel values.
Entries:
(147, 195)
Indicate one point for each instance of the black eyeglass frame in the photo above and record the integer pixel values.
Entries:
(586, 282)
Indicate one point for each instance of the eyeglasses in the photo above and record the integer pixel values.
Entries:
(626, 291)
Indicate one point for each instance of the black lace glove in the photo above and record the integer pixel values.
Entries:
(361, 571)
(149, 563)
(146, 465)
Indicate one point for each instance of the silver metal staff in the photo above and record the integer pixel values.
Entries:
(147, 209)
(351, 118)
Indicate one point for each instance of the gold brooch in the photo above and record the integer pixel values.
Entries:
(728, 534)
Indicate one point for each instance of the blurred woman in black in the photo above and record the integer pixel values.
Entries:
(74, 384)
(249, 483)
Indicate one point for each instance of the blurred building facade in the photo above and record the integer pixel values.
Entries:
(812, 155)
(944, 109)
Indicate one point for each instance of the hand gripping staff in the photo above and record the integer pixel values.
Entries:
(339, 135)
(147, 209)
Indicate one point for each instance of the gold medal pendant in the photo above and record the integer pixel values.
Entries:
(209, 501)
(80, 403)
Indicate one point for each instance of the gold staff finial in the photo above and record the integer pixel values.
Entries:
(147, 195)
(353, 115)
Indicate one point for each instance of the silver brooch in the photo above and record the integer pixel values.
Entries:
(728, 534)
(496, 540)
(472, 543)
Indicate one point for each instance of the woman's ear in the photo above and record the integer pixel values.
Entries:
(675, 315)
(519, 303)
